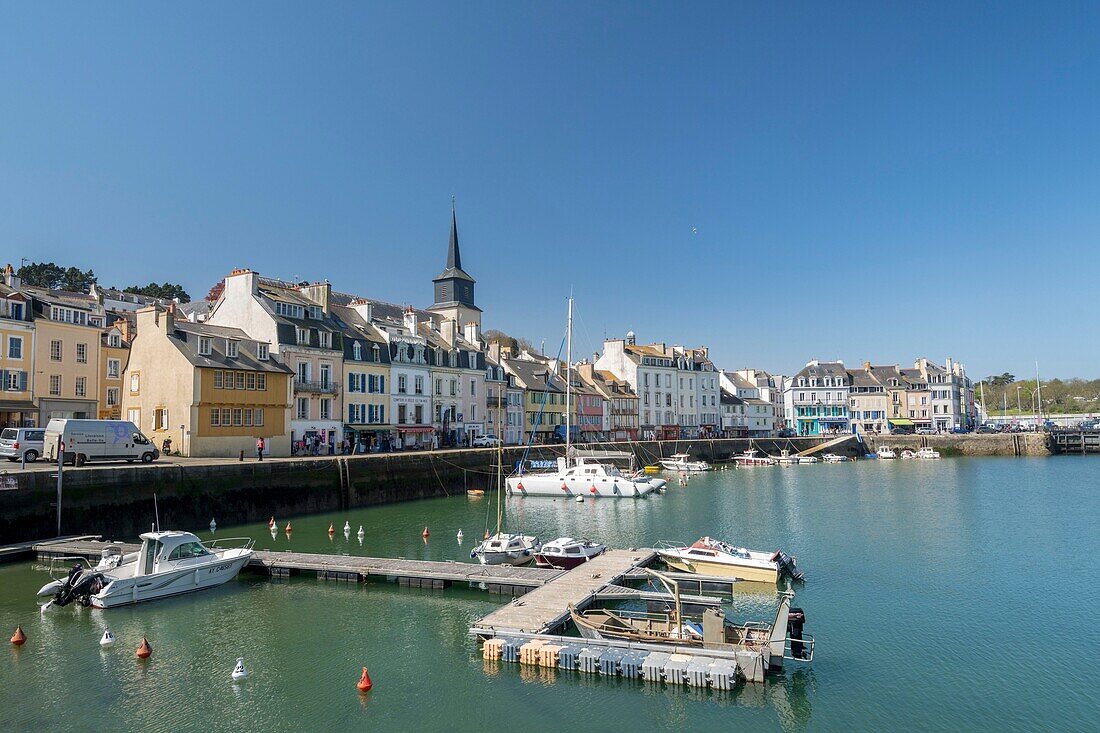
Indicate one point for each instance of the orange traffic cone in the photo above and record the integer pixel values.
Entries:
(144, 651)
(364, 683)
(19, 638)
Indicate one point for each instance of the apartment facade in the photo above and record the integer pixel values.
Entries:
(868, 401)
(17, 352)
(114, 356)
(759, 412)
(211, 390)
(816, 399)
(67, 328)
(366, 379)
(621, 410)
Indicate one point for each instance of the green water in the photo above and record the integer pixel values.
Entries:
(951, 595)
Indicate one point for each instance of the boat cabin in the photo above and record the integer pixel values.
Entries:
(160, 550)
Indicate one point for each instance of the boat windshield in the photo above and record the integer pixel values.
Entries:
(188, 549)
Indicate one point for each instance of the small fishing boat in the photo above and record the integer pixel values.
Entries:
(786, 458)
(750, 458)
(886, 452)
(907, 455)
(566, 553)
(168, 564)
(779, 640)
(927, 453)
(709, 556)
(807, 460)
(475, 492)
(680, 462)
(833, 458)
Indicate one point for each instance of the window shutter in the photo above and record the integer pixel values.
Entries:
(3, 379)
(22, 381)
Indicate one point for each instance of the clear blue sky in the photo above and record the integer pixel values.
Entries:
(879, 180)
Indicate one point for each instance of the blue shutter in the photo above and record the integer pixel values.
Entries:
(22, 381)
(3, 379)
(382, 386)
(382, 413)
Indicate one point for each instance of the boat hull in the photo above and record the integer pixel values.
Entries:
(127, 591)
(503, 558)
(557, 486)
(561, 563)
(725, 570)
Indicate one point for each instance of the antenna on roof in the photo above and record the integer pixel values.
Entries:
(156, 512)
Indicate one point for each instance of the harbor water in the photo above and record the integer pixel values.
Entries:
(948, 595)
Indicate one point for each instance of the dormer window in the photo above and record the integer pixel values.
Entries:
(303, 335)
(114, 340)
(261, 352)
(232, 348)
(326, 339)
(357, 351)
(315, 312)
(376, 353)
(204, 346)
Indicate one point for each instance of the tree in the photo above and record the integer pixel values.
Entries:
(55, 277)
(493, 336)
(216, 291)
(167, 290)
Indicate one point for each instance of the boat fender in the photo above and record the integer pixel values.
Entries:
(18, 638)
(364, 684)
(144, 651)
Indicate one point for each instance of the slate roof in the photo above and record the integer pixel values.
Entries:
(185, 337)
(824, 369)
(535, 375)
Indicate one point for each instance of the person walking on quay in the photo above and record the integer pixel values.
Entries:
(260, 449)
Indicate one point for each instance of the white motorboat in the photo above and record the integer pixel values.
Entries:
(709, 556)
(679, 462)
(833, 458)
(750, 458)
(807, 459)
(503, 548)
(786, 458)
(927, 453)
(907, 454)
(886, 452)
(566, 553)
(168, 564)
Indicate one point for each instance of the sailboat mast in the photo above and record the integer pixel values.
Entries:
(500, 449)
(1038, 394)
(568, 376)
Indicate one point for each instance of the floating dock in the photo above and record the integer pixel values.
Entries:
(502, 579)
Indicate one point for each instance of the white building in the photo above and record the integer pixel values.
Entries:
(759, 412)
(816, 399)
(410, 375)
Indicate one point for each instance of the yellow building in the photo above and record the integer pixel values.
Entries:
(67, 328)
(211, 390)
(17, 408)
(543, 396)
(114, 355)
(365, 379)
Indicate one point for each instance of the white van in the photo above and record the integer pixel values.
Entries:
(97, 440)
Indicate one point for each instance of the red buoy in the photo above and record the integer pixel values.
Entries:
(593, 489)
(364, 684)
(564, 487)
(520, 486)
(331, 529)
(425, 533)
(289, 529)
(144, 651)
(271, 522)
(19, 638)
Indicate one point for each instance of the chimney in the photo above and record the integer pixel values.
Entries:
(241, 283)
(10, 278)
(319, 293)
(448, 330)
(364, 309)
(630, 340)
(494, 351)
(154, 318)
(867, 366)
(410, 319)
(472, 335)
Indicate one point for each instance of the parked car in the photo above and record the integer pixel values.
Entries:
(987, 429)
(486, 441)
(925, 431)
(16, 443)
(959, 430)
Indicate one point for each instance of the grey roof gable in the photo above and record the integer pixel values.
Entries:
(185, 336)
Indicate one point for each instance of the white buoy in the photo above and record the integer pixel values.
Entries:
(213, 524)
(347, 527)
(240, 671)
(108, 639)
(274, 532)
(360, 533)
(460, 536)
(579, 499)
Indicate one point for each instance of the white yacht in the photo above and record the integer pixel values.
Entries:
(587, 477)
(709, 556)
(679, 462)
(566, 553)
(749, 458)
(833, 458)
(503, 548)
(786, 458)
(927, 453)
(168, 564)
(886, 452)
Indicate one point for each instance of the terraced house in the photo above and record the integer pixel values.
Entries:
(816, 399)
(366, 377)
(297, 323)
(114, 356)
(17, 407)
(620, 402)
(210, 390)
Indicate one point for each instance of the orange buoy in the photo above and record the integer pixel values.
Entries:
(289, 529)
(425, 533)
(144, 651)
(520, 487)
(564, 487)
(593, 489)
(331, 529)
(271, 522)
(364, 684)
(19, 638)
(486, 534)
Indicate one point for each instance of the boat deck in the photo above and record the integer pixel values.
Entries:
(436, 574)
(547, 608)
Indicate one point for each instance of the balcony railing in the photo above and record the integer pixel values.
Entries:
(316, 387)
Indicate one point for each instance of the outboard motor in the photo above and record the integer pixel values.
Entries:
(78, 586)
(787, 567)
(796, 619)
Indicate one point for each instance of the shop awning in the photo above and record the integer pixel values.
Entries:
(17, 406)
(415, 429)
(900, 421)
(369, 428)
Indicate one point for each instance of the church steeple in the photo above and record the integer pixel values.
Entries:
(454, 288)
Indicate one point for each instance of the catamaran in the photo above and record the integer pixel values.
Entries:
(168, 564)
(581, 474)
